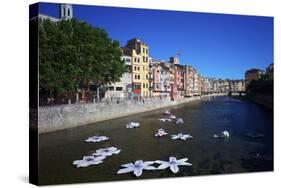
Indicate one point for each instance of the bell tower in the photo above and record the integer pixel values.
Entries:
(66, 11)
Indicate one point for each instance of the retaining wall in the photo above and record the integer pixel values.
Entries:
(52, 118)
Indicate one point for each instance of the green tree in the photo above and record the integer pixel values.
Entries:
(74, 55)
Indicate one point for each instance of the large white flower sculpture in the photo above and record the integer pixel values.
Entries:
(181, 136)
(179, 121)
(160, 132)
(107, 151)
(136, 167)
(97, 139)
(88, 161)
(173, 163)
(132, 125)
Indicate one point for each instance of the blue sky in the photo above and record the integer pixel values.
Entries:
(218, 45)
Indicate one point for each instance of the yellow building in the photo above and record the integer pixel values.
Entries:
(139, 52)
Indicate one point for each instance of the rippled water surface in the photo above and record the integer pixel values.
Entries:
(240, 153)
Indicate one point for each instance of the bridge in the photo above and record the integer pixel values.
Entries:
(236, 93)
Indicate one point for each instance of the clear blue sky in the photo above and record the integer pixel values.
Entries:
(218, 45)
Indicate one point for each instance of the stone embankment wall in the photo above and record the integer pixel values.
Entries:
(52, 118)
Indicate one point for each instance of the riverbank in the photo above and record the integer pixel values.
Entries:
(264, 100)
(53, 118)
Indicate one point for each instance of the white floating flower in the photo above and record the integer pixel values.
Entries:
(160, 132)
(107, 151)
(132, 125)
(167, 112)
(96, 138)
(179, 121)
(167, 119)
(88, 160)
(162, 119)
(172, 117)
(181, 136)
(216, 136)
(136, 167)
(225, 134)
(173, 163)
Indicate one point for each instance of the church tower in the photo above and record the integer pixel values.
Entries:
(66, 11)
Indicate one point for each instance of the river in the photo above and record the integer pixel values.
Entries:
(241, 152)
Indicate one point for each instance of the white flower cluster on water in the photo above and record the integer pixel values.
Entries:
(138, 167)
(88, 161)
(179, 121)
(160, 132)
(97, 157)
(224, 134)
(181, 136)
(107, 151)
(96, 139)
(132, 125)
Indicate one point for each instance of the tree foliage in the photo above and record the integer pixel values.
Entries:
(74, 55)
(264, 85)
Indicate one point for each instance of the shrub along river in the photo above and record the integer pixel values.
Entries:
(248, 149)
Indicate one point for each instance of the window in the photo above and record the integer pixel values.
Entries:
(111, 88)
(136, 86)
(119, 88)
(143, 59)
(143, 50)
(68, 11)
(146, 85)
(135, 59)
(138, 60)
(146, 50)
(143, 68)
(136, 77)
(143, 85)
(146, 59)
(139, 77)
(138, 68)
(135, 68)
(146, 76)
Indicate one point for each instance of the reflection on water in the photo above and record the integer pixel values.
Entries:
(240, 153)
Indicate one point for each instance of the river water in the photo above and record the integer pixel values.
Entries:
(241, 152)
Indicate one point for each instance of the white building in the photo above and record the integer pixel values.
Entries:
(122, 89)
(66, 12)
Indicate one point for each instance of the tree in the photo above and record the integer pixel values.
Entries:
(74, 55)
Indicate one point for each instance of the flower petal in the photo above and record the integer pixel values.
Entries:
(83, 163)
(185, 164)
(125, 170)
(164, 165)
(149, 168)
(117, 151)
(128, 165)
(99, 158)
(180, 161)
(160, 162)
(172, 159)
(95, 162)
(138, 171)
(174, 168)
(76, 162)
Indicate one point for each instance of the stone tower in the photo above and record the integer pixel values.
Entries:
(66, 11)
